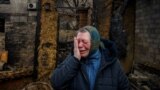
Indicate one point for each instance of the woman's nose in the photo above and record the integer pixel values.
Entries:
(80, 44)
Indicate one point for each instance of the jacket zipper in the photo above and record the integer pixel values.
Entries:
(85, 79)
(100, 69)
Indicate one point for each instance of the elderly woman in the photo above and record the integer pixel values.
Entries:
(92, 65)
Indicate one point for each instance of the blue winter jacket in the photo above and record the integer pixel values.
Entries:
(69, 75)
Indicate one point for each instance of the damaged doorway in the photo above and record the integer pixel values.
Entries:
(72, 14)
(67, 25)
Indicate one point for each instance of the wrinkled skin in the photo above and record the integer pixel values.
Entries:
(82, 45)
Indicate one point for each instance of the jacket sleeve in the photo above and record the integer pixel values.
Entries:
(123, 83)
(65, 72)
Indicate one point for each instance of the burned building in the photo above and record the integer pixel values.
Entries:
(36, 36)
(18, 24)
(18, 21)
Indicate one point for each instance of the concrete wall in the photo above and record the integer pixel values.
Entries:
(20, 27)
(19, 34)
(15, 6)
(147, 33)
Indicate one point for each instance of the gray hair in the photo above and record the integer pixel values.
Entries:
(82, 30)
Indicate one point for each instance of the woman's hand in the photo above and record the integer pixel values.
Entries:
(76, 50)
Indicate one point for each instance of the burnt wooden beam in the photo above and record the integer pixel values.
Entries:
(47, 47)
(37, 41)
(18, 73)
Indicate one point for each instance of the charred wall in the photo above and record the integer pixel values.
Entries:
(18, 38)
(19, 31)
(102, 12)
(47, 39)
(2, 41)
(147, 33)
(129, 28)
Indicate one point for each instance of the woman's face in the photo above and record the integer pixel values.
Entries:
(84, 43)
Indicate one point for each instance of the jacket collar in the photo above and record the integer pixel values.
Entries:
(108, 53)
(106, 60)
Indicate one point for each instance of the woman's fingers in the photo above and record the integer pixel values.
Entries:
(76, 50)
(75, 43)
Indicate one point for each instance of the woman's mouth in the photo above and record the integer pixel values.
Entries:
(82, 52)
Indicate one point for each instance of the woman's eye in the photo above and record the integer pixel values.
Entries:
(85, 42)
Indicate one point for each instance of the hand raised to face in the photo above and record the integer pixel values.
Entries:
(76, 49)
(82, 45)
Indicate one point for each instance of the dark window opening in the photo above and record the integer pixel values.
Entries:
(2, 25)
(4, 1)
